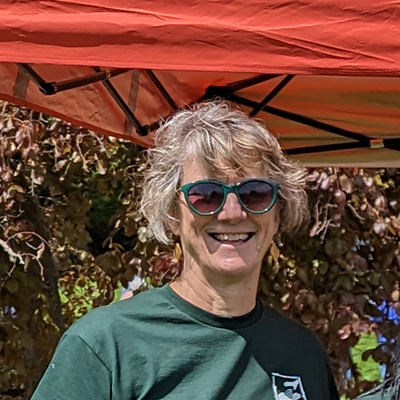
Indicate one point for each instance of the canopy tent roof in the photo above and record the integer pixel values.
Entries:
(324, 75)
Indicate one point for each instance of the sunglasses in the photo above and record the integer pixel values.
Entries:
(207, 197)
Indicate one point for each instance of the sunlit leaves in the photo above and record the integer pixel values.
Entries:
(48, 270)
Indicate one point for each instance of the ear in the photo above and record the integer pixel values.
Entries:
(277, 219)
(174, 223)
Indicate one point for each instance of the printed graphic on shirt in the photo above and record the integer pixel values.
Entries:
(287, 387)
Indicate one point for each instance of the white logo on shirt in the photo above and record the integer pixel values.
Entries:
(287, 387)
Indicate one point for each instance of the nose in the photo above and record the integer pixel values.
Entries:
(232, 211)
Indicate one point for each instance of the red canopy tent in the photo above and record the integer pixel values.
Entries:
(324, 75)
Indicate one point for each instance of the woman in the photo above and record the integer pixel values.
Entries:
(219, 184)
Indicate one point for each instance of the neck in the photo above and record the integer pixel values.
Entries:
(217, 296)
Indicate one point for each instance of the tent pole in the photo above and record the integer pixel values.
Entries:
(50, 88)
(324, 148)
(44, 86)
(302, 119)
(87, 80)
(223, 91)
(142, 131)
(361, 140)
(152, 76)
(392, 144)
(274, 92)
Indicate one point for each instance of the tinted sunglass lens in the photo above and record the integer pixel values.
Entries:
(206, 197)
(256, 195)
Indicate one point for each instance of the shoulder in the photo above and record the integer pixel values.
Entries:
(108, 321)
(292, 338)
(101, 335)
(287, 326)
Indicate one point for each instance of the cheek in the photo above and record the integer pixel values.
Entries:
(190, 226)
(192, 239)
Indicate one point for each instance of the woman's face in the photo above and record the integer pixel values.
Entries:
(202, 236)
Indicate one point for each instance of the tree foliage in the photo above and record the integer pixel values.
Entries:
(70, 235)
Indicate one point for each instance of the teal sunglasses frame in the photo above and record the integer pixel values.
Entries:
(230, 189)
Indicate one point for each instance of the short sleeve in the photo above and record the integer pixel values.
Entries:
(74, 373)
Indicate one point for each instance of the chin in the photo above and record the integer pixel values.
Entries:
(234, 267)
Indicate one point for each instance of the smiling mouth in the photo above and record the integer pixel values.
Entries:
(232, 237)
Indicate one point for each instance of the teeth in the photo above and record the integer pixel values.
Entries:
(231, 237)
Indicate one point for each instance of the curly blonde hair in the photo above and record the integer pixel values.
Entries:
(223, 140)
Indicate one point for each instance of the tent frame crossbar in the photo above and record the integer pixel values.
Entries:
(51, 88)
(227, 92)
(249, 82)
(393, 144)
(152, 76)
(141, 130)
(271, 95)
(301, 119)
(361, 141)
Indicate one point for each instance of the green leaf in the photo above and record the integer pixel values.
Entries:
(369, 369)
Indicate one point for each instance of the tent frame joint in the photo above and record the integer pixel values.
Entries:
(376, 144)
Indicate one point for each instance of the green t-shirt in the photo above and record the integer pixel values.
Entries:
(158, 346)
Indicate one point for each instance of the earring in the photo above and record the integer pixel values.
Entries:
(177, 252)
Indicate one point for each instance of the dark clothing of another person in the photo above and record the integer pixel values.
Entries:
(379, 393)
